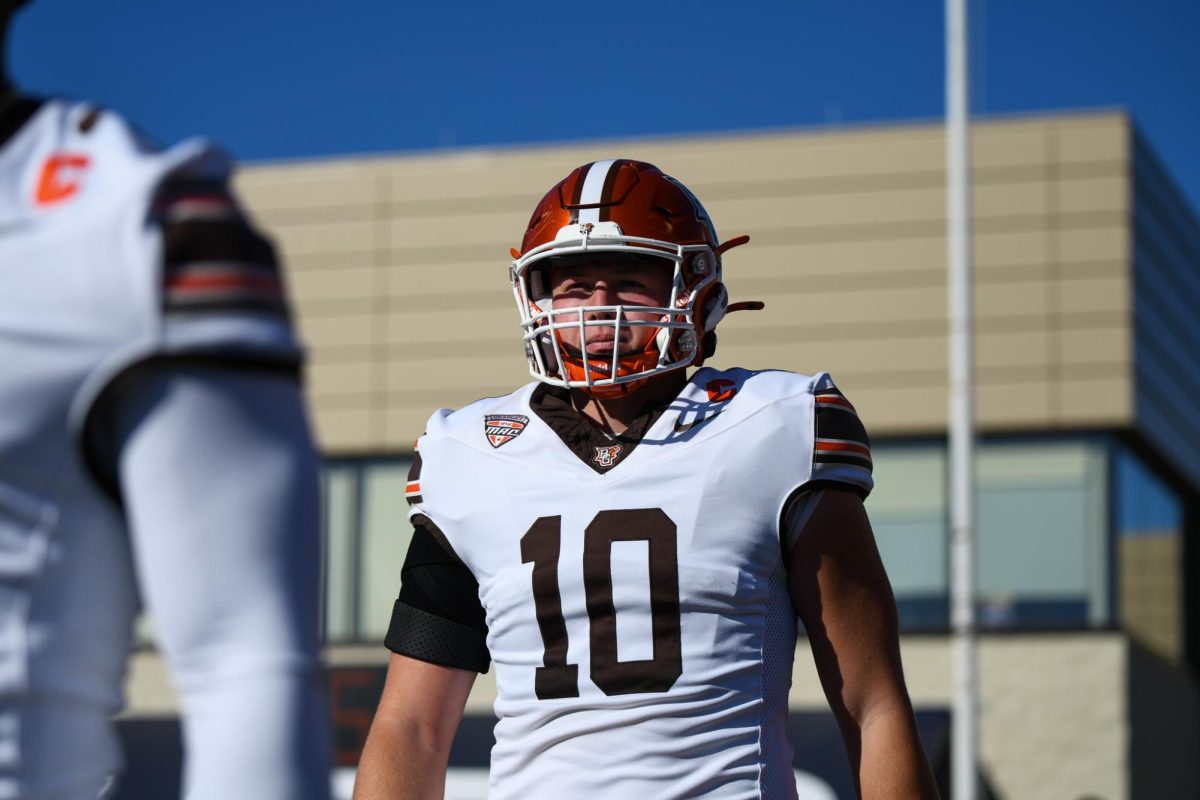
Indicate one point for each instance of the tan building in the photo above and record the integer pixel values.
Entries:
(1088, 368)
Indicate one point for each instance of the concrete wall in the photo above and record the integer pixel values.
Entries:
(398, 269)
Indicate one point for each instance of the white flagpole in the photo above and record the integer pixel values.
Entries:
(964, 744)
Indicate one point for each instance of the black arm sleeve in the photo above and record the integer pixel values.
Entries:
(438, 617)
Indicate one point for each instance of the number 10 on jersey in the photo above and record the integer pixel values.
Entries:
(542, 545)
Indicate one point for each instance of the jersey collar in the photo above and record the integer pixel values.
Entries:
(594, 447)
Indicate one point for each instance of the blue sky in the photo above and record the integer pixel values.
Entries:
(275, 80)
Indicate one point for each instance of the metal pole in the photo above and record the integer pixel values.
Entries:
(964, 745)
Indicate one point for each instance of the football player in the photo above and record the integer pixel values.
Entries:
(153, 443)
(631, 545)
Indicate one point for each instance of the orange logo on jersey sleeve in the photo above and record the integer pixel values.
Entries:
(721, 390)
(60, 178)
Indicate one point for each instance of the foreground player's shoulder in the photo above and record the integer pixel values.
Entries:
(749, 390)
(198, 283)
(82, 154)
(68, 159)
(483, 424)
(215, 277)
(453, 441)
(221, 282)
(773, 387)
(808, 412)
(187, 242)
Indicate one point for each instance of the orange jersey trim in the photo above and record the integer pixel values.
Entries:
(842, 446)
(834, 400)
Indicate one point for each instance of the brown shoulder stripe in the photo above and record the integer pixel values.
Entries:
(832, 398)
(840, 437)
(212, 286)
(841, 451)
(835, 423)
(412, 490)
(213, 260)
(215, 240)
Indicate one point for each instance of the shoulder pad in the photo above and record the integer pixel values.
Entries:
(74, 153)
(467, 423)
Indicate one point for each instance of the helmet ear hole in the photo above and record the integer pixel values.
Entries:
(545, 348)
(539, 283)
(545, 344)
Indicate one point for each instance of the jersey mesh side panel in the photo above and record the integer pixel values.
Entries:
(778, 651)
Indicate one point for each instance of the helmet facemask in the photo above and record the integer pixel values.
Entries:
(620, 209)
(677, 330)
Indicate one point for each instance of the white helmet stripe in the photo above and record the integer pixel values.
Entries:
(593, 190)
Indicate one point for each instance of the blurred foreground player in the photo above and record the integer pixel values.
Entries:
(152, 436)
(632, 546)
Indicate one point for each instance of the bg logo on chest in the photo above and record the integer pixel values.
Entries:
(607, 456)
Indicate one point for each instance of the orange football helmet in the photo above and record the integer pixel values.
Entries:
(627, 207)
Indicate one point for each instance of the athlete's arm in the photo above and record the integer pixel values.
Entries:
(408, 748)
(218, 477)
(842, 595)
(438, 639)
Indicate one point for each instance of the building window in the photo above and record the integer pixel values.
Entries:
(1045, 538)
(908, 513)
(1042, 527)
(366, 534)
(1043, 557)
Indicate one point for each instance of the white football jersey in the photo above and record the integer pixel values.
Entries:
(639, 619)
(87, 291)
